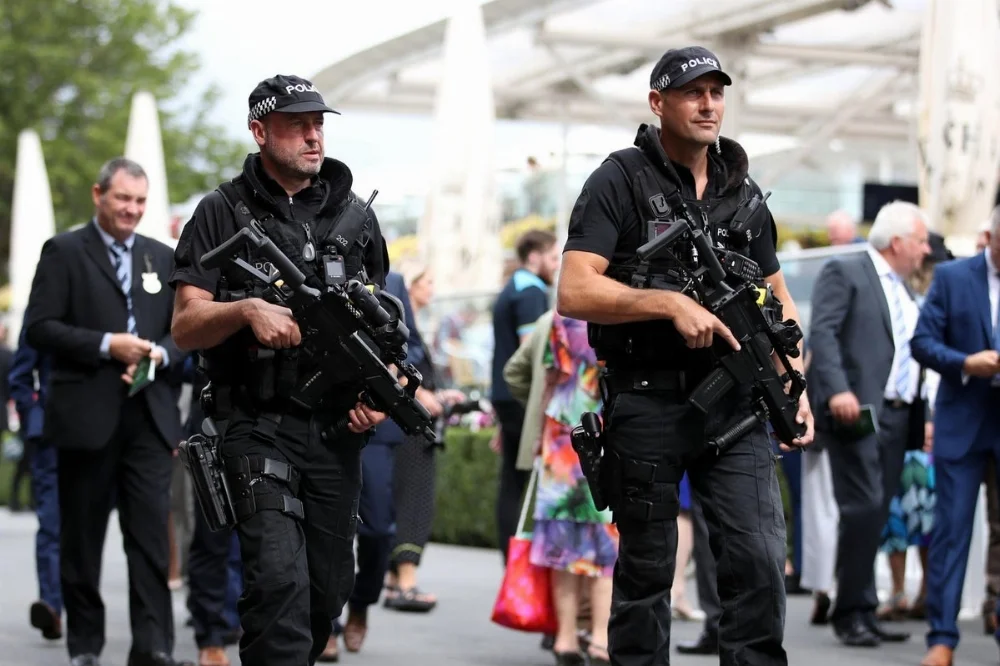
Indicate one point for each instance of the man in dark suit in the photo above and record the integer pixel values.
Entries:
(958, 336)
(99, 305)
(29, 380)
(862, 321)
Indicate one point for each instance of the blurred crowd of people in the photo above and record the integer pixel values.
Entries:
(901, 362)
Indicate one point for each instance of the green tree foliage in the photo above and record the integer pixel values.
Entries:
(69, 68)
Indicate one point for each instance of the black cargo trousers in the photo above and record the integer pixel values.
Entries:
(655, 435)
(297, 573)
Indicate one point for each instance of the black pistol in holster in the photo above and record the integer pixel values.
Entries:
(588, 442)
(227, 489)
(200, 454)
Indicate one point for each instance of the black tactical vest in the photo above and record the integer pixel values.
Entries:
(657, 343)
(240, 361)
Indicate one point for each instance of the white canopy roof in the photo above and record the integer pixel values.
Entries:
(816, 81)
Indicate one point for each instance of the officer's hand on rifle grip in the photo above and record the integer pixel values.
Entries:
(805, 416)
(363, 417)
(273, 325)
(697, 325)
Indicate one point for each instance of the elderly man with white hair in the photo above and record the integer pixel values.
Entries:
(865, 391)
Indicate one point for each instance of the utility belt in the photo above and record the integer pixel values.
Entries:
(626, 380)
(221, 401)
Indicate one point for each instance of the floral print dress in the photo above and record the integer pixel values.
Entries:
(570, 534)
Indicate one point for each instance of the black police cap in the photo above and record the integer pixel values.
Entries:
(678, 66)
(285, 94)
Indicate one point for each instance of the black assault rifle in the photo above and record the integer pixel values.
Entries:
(334, 324)
(737, 303)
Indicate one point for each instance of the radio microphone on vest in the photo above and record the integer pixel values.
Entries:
(741, 229)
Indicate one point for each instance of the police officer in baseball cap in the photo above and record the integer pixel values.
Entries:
(304, 479)
(657, 347)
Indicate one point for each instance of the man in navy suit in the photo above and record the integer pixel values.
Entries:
(958, 335)
(29, 376)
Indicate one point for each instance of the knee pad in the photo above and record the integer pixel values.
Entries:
(249, 495)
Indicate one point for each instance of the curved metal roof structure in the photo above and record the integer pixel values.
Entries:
(814, 80)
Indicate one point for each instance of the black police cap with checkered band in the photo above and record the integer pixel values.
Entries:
(285, 94)
(678, 66)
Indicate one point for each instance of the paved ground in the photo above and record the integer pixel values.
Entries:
(457, 632)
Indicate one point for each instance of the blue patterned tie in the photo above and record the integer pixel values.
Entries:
(899, 333)
(124, 281)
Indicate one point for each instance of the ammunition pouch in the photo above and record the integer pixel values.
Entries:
(271, 373)
(250, 496)
(641, 491)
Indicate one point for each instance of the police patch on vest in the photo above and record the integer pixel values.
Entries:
(659, 204)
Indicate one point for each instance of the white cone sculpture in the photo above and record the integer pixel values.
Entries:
(32, 223)
(144, 145)
(459, 231)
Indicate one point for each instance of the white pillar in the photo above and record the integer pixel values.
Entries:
(732, 53)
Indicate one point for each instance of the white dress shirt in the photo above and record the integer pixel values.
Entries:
(893, 289)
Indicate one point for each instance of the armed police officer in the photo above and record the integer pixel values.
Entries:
(656, 345)
(297, 533)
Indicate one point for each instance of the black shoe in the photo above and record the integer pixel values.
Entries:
(569, 659)
(155, 659)
(821, 610)
(85, 660)
(548, 642)
(793, 586)
(853, 632)
(45, 618)
(885, 636)
(706, 643)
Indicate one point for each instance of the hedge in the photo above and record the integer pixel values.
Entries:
(466, 489)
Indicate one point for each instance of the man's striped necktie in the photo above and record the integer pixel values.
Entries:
(903, 353)
(124, 281)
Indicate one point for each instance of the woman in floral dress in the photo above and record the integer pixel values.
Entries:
(570, 535)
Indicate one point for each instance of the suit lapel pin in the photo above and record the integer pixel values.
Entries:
(150, 280)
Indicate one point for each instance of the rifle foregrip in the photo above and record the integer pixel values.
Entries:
(734, 433)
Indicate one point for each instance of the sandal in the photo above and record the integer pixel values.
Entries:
(410, 601)
(896, 610)
(391, 592)
(597, 655)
